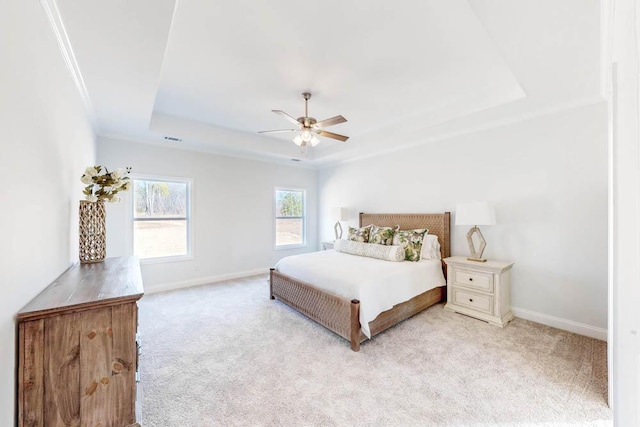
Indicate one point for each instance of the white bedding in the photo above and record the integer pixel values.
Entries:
(378, 284)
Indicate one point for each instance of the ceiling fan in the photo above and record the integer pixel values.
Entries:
(308, 127)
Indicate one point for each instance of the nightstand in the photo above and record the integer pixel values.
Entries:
(327, 245)
(480, 289)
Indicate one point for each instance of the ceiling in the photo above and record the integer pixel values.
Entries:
(209, 73)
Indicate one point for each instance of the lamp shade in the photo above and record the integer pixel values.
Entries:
(475, 213)
(339, 214)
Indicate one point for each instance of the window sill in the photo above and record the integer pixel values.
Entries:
(287, 247)
(164, 259)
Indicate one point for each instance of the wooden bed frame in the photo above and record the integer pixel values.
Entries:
(341, 315)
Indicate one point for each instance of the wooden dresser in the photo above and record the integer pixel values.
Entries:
(77, 349)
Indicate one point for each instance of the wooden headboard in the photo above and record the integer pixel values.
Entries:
(438, 224)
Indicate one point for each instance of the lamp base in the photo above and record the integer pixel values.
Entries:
(476, 255)
(337, 229)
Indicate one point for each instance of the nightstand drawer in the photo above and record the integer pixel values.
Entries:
(473, 280)
(472, 300)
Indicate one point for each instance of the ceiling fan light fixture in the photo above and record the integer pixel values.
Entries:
(306, 135)
(298, 140)
(314, 140)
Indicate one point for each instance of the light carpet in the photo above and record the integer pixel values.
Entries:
(225, 354)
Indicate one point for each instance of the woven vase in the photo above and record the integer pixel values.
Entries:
(93, 242)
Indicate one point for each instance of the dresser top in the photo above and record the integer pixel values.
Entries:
(83, 286)
(488, 265)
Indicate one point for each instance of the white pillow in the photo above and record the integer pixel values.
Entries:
(430, 247)
(371, 250)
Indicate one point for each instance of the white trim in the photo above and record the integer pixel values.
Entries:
(560, 323)
(322, 163)
(288, 247)
(205, 280)
(486, 126)
(57, 25)
(165, 259)
(612, 118)
(186, 145)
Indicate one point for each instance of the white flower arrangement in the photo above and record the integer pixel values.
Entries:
(101, 186)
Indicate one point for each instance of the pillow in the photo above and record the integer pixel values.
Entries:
(382, 235)
(359, 234)
(371, 250)
(411, 242)
(430, 247)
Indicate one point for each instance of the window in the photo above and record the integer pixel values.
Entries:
(290, 217)
(161, 218)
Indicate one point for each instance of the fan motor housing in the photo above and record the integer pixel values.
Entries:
(307, 121)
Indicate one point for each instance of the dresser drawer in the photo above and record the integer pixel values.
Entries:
(473, 279)
(472, 300)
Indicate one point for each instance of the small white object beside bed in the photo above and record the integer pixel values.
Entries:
(358, 297)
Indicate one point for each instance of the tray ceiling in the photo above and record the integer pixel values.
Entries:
(210, 72)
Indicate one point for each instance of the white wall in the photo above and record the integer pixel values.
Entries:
(46, 144)
(547, 178)
(232, 211)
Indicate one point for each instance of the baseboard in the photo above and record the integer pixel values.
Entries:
(203, 280)
(560, 323)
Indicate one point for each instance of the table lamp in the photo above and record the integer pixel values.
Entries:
(475, 213)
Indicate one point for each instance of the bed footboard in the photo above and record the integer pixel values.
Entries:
(341, 315)
(335, 313)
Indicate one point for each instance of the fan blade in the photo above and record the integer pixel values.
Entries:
(286, 116)
(330, 122)
(332, 135)
(279, 130)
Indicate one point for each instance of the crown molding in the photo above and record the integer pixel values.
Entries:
(319, 164)
(493, 124)
(52, 13)
(302, 164)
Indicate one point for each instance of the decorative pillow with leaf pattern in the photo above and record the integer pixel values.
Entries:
(359, 234)
(382, 235)
(411, 241)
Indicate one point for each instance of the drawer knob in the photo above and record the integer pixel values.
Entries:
(470, 299)
(471, 279)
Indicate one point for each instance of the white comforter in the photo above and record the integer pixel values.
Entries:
(378, 284)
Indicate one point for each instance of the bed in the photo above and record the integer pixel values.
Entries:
(341, 314)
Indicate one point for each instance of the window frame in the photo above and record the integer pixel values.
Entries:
(189, 217)
(303, 217)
